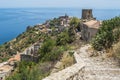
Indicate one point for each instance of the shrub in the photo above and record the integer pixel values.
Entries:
(108, 34)
(68, 36)
(74, 22)
(71, 53)
(47, 47)
(62, 38)
(71, 34)
(104, 40)
(26, 71)
(67, 60)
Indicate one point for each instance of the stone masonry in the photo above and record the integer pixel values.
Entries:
(87, 14)
(74, 72)
(88, 68)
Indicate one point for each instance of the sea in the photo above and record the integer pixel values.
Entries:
(13, 21)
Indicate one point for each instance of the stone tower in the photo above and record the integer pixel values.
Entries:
(87, 14)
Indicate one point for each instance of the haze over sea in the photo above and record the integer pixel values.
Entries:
(14, 21)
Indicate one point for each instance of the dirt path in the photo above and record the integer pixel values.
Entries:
(98, 68)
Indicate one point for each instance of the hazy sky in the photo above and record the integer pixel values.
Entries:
(114, 4)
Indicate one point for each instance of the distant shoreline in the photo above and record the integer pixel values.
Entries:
(15, 20)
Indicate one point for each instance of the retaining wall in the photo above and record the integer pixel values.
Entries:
(74, 72)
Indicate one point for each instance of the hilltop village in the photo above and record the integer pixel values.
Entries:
(60, 47)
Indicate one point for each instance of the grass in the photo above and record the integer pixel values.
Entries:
(116, 50)
(67, 60)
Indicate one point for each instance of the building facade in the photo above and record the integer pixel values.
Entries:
(31, 53)
(89, 29)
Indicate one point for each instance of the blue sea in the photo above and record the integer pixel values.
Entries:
(14, 21)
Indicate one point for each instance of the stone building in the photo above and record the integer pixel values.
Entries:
(29, 58)
(89, 29)
(87, 14)
(31, 53)
(64, 20)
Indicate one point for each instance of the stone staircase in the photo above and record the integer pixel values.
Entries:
(98, 69)
(88, 68)
(96, 77)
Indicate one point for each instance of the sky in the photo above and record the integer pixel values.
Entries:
(96, 4)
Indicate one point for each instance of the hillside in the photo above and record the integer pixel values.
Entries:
(33, 34)
(59, 39)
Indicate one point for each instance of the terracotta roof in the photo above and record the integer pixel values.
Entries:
(93, 24)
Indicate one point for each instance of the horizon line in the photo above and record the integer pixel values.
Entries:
(53, 7)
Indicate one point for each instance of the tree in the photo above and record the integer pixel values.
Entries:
(62, 38)
(74, 22)
(71, 34)
(26, 71)
(47, 47)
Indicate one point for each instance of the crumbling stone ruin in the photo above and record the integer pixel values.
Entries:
(87, 14)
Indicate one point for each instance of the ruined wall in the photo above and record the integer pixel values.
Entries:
(92, 32)
(29, 58)
(75, 72)
(84, 32)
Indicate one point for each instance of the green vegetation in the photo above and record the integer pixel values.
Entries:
(107, 35)
(19, 44)
(71, 34)
(66, 61)
(75, 23)
(66, 37)
(31, 35)
(30, 71)
(24, 68)
(63, 38)
(52, 49)
(116, 50)
(50, 52)
(55, 22)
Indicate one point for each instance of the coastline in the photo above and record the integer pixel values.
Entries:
(14, 19)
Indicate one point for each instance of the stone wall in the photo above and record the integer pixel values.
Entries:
(31, 53)
(89, 29)
(74, 72)
(29, 58)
